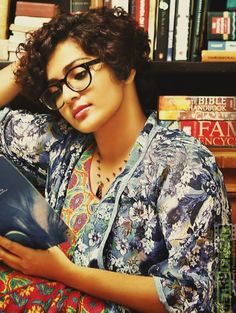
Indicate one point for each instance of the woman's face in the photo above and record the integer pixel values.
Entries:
(90, 109)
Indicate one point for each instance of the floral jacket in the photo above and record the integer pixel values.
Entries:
(157, 218)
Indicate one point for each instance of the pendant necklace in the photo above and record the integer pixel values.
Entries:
(100, 182)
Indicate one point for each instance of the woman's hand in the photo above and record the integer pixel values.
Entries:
(51, 263)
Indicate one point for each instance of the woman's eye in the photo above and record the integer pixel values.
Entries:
(80, 75)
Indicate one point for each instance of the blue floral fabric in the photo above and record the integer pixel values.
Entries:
(158, 217)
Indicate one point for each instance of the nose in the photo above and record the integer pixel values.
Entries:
(69, 95)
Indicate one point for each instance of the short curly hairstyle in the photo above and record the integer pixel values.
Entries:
(110, 34)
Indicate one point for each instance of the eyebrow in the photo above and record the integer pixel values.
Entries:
(66, 68)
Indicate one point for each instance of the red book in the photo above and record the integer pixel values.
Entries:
(142, 13)
(36, 9)
(196, 115)
(211, 133)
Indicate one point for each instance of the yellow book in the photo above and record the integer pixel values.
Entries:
(4, 18)
(218, 56)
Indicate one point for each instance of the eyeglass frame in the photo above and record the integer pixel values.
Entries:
(59, 83)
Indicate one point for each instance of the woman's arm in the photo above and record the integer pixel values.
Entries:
(135, 292)
(9, 89)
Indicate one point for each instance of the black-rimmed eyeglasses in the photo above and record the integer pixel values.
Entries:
(78, 78)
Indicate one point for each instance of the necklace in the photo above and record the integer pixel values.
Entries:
(100, 181)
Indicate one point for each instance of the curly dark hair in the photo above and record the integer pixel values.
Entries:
(110, 34)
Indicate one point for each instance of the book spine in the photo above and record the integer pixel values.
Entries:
(196, 115)
(199, 23)
(79, 6)
(36, 9)
(142, 13)
(163, 12)
(221, 25)
(171, 30)
(96, 4)
(120, 3)
(152, 25)
(182, 30)
(211, 133)
(221, 45)
(197, 103)
(231, 5)
(218, 56)
(4, 18)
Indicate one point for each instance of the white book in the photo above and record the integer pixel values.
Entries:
(31, 21)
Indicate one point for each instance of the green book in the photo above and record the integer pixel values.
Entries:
(231, 5)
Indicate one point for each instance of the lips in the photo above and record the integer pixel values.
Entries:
(79, 111)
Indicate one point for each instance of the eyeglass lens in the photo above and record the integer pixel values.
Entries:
(77, 79)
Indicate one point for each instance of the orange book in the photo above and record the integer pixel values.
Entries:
(36, 9)
(218, 56)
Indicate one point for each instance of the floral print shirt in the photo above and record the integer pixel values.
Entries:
(158, 217)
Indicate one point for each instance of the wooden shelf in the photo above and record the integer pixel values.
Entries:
(225, 157)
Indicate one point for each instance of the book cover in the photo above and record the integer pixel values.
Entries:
(196, 115)
(218, 56)
(221, 25)
(221, 45)
(198, 29)
(37, 9)
(182, 30)
(211, 133)
(163, 11)
(197, 103)
(25, 215)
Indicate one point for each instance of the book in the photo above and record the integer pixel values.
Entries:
(25, 215)
(4, 18)
(31, 21)
(96, 4)
(231, 5)
(3, 49)
(198, 28)
(163, 11)
(197, 103)
(211, 133)
(182, 30)
(218, 56)
(171, 30)
(221, 45)
(142, 13)
(37, 9)
(77, 6)
(221, 25)
(196, 115)
(152, 25)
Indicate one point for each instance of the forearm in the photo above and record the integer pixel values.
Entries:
(135, 292)
(8, 87)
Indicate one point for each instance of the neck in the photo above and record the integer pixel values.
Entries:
(116, 138)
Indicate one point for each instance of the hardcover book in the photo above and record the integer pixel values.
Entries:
(196, 115)
(197, 103)
(218, 55)
(37, 9)
(25, 215)
(163, 11)
(211, 133)
(221, 25)
(182, 30)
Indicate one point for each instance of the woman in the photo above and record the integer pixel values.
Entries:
(141, 199)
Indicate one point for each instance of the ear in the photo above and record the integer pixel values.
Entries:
(131, 76)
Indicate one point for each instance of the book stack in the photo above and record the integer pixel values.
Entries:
(221, 35)
(211, 119)
(29, 16)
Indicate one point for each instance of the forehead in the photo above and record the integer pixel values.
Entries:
(64, 54)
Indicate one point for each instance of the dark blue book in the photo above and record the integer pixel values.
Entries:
(25, 216)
